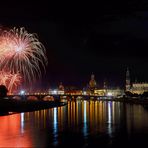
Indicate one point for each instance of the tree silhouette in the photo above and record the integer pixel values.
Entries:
(3, 91)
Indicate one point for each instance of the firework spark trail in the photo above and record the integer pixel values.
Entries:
(11, 81)
(21, 52)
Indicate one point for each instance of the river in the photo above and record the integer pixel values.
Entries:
(80, 123)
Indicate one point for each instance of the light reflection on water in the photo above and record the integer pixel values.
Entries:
(85, 121)
(109, 118)
(22, 123)
(55, 126)
(81, 123)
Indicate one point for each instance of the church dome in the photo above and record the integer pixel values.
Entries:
(92, 82)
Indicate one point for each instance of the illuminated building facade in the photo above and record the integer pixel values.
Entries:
(115, 92)
(100, 92)
(135, 87)
(109, 92)
(105, 91)
(73, 92)
(139, 88)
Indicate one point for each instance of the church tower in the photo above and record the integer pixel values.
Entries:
(92, 83)
(128, 83)
(61, 87)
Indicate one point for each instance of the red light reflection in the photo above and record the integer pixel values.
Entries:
(11, 134)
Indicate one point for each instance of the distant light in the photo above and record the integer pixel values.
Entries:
(22, 92)
(109, 94)
(84, 92)
(55, 92)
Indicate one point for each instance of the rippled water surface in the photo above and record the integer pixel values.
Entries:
(81, 123)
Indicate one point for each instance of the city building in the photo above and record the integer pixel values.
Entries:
(135, 87)
(109, 91)
(100, 92)
(139, 88)
(73, 92)
(116, 92)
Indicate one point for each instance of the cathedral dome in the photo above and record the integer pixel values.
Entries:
(92, 82)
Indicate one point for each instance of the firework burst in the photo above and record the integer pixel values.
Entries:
(21, 51)
(11, 81)
(21, 54)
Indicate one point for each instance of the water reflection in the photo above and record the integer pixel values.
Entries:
(109, 118)
(85, 121)
(55, 126)
(82, 123)
(11, 134)
(22, 123)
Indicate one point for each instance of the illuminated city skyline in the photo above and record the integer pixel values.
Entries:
(104, 42)
(79, 71)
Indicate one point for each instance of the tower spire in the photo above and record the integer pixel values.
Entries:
(128, 83)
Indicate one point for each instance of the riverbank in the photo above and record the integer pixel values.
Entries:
(9, 105)
(138, 100)
(12, 105)
(130, 100)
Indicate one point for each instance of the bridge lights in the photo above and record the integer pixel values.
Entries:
(22, 92)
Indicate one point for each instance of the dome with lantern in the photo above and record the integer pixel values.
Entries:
(92, 82)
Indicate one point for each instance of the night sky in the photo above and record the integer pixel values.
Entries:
(103, 38)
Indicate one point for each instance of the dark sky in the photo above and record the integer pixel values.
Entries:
(103, 38)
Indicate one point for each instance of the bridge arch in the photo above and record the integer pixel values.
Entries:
(34, 98)
(48, 98)
(16, 97)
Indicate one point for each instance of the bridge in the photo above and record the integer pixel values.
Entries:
(49, 96)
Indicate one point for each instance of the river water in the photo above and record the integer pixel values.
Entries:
(81, 123)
